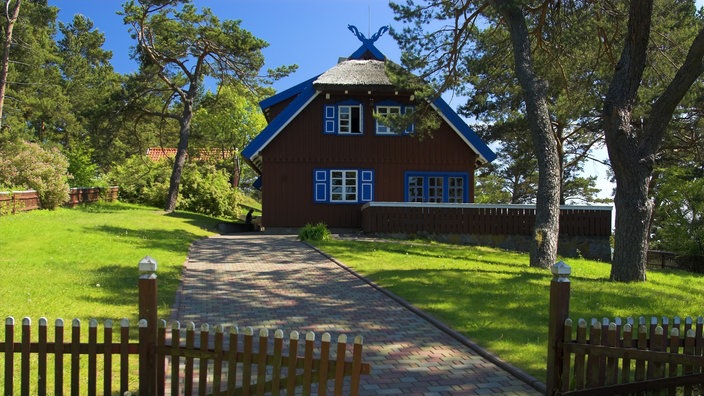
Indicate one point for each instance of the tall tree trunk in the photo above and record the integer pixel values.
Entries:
(547, 216)
(632, 146)
(180, 160)
(11, 18)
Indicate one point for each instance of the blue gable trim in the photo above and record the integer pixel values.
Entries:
(285, 94)
(463, 129)
(267, 134)
(367, 47)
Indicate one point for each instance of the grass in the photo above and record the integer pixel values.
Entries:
(82, 263)
(496, 299)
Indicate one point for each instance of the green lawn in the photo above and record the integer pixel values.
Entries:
(498, 301)
(82, 263)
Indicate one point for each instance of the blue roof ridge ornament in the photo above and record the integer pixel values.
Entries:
(370, 40)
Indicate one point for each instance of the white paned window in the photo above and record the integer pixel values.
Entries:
(415, 189)
(382, 129)
(343, 186)
(455, 189)
(435, 189)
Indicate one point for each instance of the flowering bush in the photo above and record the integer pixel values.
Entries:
(25, 165)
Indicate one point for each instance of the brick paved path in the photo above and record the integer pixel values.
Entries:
(277, 282)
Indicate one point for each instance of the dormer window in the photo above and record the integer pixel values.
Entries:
(382, 129)
(344, 118)
(350, 119)
(391, 108)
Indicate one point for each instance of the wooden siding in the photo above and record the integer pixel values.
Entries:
(289, 160)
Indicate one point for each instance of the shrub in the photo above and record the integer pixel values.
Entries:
(318, 232)
(25, 165)
(142, 181)
(207, 190)
(82, 169)
(203, 188)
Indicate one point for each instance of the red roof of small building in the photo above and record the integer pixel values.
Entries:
(204, 154)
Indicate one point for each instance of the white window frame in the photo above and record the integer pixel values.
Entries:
(384, 110)
(416, 189)
(436, 186)
(343, 185)
(455, 189)
(346, 119)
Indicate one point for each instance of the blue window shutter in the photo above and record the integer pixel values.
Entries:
(366, 185)
(409, 110)
(320, 185)
(330, 121)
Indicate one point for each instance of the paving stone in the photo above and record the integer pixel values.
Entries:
(276, 282)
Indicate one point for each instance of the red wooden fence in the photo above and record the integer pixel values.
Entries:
(605, 357)
(195, 362)
(479, 219)
(12, 202)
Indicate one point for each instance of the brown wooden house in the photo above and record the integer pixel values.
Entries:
(323, 155)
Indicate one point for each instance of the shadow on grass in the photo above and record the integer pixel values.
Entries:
(169, 240)
(201, 221)
(120, 286)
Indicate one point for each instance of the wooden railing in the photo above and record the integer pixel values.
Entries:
(195, 362)
(619, 357)
(479, 219)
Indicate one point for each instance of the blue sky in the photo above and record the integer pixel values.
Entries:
(310, 33)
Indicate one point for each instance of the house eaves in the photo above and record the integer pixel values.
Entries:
(286, 94)
(252, 153)
(465, 132)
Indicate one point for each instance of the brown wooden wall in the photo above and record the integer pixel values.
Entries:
(289, 161)
(479, 219)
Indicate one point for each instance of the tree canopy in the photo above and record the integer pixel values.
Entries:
(575, 72)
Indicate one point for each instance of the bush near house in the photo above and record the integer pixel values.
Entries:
(204, 189)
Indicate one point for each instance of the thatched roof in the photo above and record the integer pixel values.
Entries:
(355, 74)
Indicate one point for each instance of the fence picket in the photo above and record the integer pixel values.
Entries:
(9, 353)
(565, 379)
(340, 363)
(175, 356)
(356, 365)
(308, 363)
(261, 362)
(107, 358)
(203, 361)
(657, 343)
(188, 372)
(627, 343)
(276, 362)
(26, 338)
(612, 362)
(593, 359)
(92, 357)
(689, 350)
(579, 356)
(75, 357)
(124, 355)
(59, 357)
(41, 357)
(217, 363)
(674, 347)
(247, 360)
(160, 359)
(232, 362)
(291, 367)
(323, 370)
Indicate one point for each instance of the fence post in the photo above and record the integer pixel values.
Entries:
(559, 311)
(148, 330)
